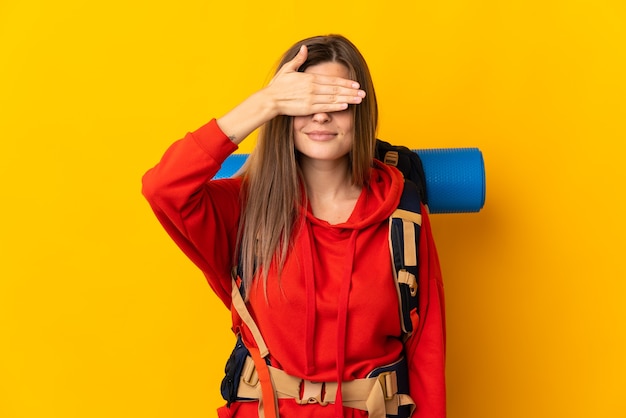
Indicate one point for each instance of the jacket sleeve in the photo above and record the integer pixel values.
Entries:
(201, 216)
(425, 349)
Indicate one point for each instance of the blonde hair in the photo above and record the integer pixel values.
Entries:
(272, 191)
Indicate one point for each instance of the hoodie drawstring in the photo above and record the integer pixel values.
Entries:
(310, 311)
(342, 320)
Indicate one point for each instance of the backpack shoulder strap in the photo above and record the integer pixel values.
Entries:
(404, 230)
(268, 406)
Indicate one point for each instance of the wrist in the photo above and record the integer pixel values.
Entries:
(266, 104)
(249, 115)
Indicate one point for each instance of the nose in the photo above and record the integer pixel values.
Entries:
(321, 117)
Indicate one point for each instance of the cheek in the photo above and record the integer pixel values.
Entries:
(298, 123)
(347, 123)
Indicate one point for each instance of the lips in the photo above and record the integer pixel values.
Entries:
(321, 135)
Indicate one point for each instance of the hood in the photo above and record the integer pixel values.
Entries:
(377, 202)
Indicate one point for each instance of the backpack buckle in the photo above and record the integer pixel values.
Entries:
(248, 374)
(391, 158)
(408, 279)
(312, 392)
(389, 385)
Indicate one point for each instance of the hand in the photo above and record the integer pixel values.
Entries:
(299, 94)
(293, 94)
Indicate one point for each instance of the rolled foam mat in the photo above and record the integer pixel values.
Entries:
(455, 178)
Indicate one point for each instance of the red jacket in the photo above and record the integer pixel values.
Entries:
(310, 331)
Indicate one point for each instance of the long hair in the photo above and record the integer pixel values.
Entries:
(272, 191)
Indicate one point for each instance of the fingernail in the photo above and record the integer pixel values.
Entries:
(355, 85)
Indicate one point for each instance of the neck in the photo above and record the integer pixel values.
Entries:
(327, 179)
(330, 191)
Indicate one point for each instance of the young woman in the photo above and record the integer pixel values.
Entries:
(307, 222)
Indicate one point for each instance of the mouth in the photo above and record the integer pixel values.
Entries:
(321, 135)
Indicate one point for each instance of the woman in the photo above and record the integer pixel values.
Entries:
(307, 221)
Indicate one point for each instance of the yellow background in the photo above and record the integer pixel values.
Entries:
(100, 314)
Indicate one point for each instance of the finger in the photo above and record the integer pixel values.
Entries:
(328, 107)
(335, 81)
(297, 61)
(324, 89)
(332, 99)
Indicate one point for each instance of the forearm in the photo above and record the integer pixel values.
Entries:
(249, 115)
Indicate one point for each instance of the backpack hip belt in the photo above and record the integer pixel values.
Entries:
(383, 393)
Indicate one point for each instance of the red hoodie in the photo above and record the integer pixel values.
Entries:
(334, 313)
